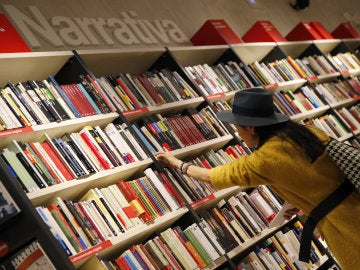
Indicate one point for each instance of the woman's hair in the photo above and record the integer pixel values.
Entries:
(295, 132)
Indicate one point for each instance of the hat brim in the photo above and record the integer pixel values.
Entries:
(232, 118)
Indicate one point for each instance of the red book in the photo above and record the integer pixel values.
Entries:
(134, 201)
(215, 32)
(303, 31)
(11, 40)
(153, 92)
(122, 263)
(321, 30)
(94, 227)
(45, 162)
(263, 31)
(128, 92)
(231, 152)
(167, 253)
(345, 30)
(98, 88)
(57, 160)
(171, 188)
(89, 142)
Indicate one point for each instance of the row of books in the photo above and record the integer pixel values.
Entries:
(338, 91)
(344, 62)
(193, 247)
(315, 65)
(331, 124)
(279, 71)
(104, 213)
(50, 161)
(150, 88)
(281, 251)
(222, 77)
(295, 102)
(36, 102)
(172, 132)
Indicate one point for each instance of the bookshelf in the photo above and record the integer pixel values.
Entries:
(67, 66)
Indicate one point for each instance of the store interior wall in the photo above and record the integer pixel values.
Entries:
(189, 15)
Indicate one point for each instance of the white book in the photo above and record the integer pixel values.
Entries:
(125, 130)
(106, 139)
(210, 233)
(122, 147)
(117, 101)
(95, 216)
(76, 138)
(161, 188)
(199, 235)
(151, 138)
(117, 208)
(131, 256)
(8, 116)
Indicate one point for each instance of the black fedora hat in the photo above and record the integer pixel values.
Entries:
(252, 107)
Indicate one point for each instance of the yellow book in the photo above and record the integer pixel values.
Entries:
(13, 105)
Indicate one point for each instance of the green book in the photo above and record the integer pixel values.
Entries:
(203, 253)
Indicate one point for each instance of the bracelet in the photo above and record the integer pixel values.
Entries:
(187, 168)
(184, 167)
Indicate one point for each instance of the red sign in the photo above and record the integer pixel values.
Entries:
(11, 41)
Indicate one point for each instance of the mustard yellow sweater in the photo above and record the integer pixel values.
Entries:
(286, 171)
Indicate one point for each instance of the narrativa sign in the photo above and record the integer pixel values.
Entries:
(61, 31)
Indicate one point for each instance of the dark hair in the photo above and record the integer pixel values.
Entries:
(298, 133)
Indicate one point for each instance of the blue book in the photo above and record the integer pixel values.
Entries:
(88, 97)
(309, 96)
(130, 262)
(51, 80)
(144, 139)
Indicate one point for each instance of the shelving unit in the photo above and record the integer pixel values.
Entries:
(66, 66)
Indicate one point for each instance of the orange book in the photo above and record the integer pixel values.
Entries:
(190, 247)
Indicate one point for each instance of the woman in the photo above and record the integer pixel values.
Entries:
(290, 159)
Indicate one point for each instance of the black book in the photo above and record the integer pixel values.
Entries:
(53, 103)
(39, 91)
(200, 123)
(94, 94)
(38, 102)
(59, 144)
(82, 222)
(81, 156)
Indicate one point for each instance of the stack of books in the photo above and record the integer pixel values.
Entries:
(50, 161)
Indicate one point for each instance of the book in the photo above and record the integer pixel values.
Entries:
(157, 255)
(133, 199)
(31, 256)
(60, 162)
(19, 171)
(8, 206)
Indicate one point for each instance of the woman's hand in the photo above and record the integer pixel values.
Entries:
(167, 159)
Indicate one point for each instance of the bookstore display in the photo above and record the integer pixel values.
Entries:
(78, 140)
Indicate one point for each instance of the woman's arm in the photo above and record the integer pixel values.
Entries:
(198, 173)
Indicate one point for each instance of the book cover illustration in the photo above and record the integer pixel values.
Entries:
(8, 207)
